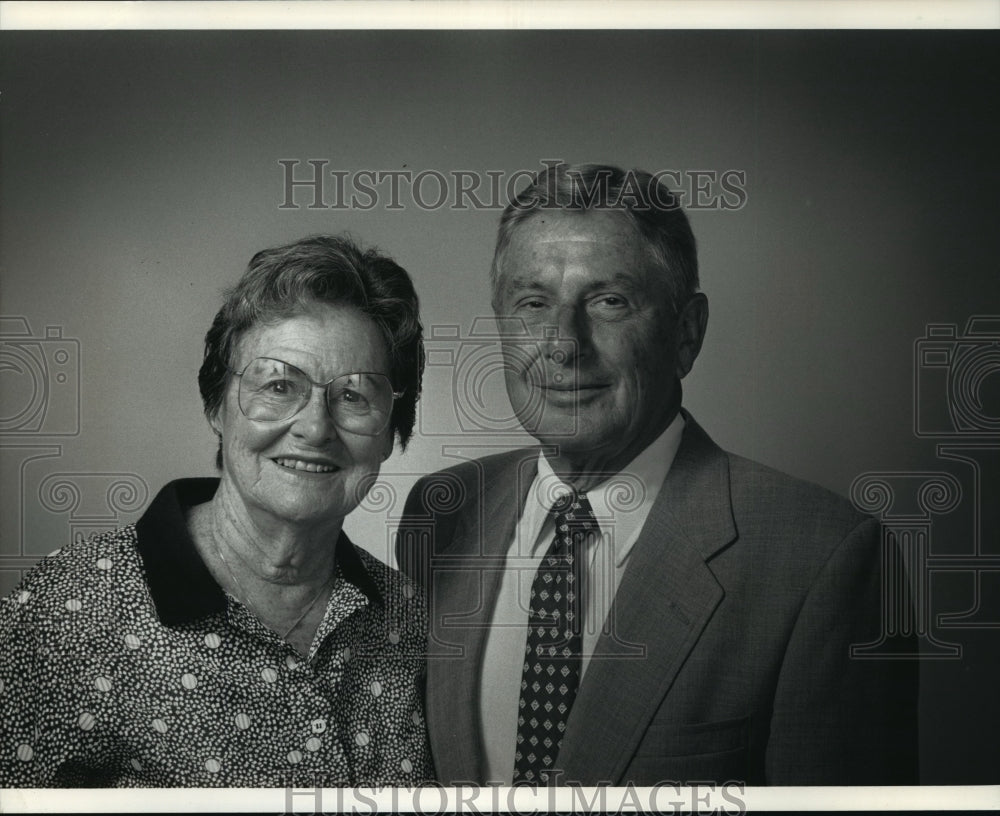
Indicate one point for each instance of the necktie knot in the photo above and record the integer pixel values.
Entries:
(564, 502)
(574, 520)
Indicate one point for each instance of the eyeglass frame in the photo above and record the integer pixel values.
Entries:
(312, 385)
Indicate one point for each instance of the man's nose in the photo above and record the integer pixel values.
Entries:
(567, 337)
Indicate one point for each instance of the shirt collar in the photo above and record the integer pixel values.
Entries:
(624, 499)
(181, 586)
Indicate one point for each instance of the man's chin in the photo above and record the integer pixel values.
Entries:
(568, 437)
(551, 427)
(544, 418)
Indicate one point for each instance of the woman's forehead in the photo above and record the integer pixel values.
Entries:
(323, 340)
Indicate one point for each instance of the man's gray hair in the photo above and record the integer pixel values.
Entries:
(641, 199)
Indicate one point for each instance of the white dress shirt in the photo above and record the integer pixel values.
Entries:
(621, 505)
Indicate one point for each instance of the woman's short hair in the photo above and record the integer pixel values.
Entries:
(641, 199)
(284, 281)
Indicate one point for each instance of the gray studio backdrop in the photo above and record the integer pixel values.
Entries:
(842, 187)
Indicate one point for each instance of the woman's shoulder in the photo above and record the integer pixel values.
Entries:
(81, 577)
(389, 580)
(400, 612)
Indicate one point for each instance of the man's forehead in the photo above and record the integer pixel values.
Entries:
(575, 242)
(573, 237)
(591, 227)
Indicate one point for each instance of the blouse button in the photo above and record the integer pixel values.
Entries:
(314, 744)
(269, 675)
(85, 721)
(212, 640)
(294, 757)
(406, 765)
(362, 738)
(212, 765)
(376, 688)
(318, 725)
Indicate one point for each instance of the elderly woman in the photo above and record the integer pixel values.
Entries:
(234, 636)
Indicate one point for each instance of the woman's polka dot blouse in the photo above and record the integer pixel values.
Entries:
(124, 663)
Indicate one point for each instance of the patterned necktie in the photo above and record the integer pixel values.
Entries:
(552, 654)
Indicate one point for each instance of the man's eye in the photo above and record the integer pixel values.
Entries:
(611, 301)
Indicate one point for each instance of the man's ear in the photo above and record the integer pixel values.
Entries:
(692, 323)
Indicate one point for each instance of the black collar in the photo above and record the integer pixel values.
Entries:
(180, 584)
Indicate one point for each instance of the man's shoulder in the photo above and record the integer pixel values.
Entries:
(760, 491)
(492, 465)
(753, 489)
(454, 487)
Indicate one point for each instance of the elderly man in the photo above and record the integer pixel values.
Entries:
(627, 602)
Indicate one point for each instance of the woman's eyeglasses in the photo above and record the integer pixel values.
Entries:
(272, 390)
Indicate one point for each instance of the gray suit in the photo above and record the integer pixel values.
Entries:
(729, 655)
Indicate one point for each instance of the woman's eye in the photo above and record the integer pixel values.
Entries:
(349, 395)
(352, 399)
(279, 387)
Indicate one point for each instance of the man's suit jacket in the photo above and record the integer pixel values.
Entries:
(728, 656)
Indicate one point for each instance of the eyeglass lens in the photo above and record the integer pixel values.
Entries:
(272, 390)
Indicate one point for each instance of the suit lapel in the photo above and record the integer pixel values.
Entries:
(466, 584)
(666, 597)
